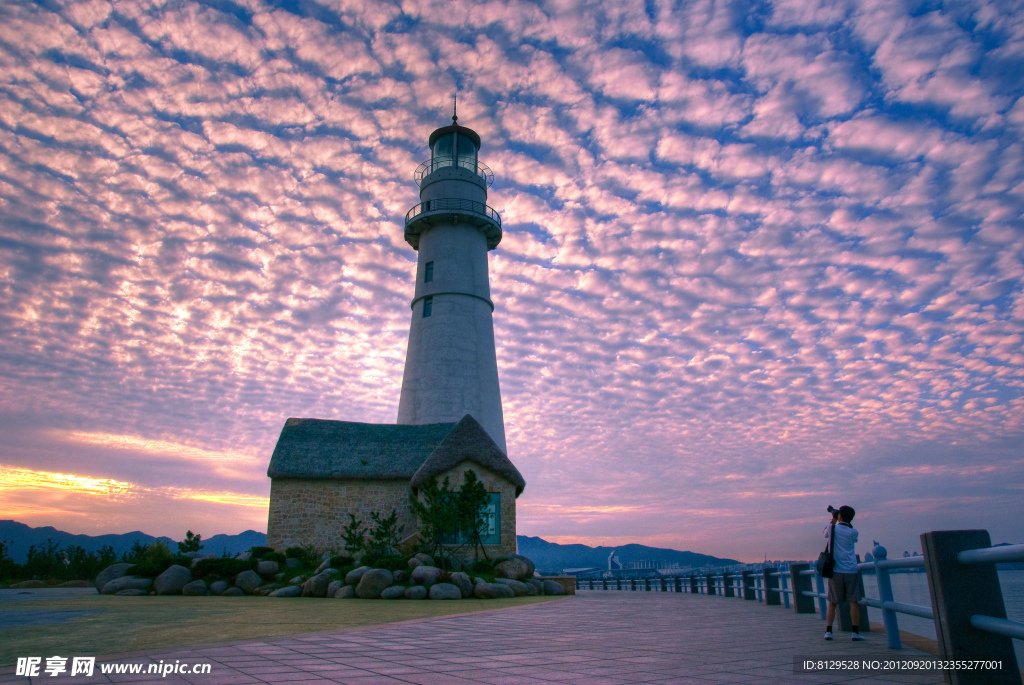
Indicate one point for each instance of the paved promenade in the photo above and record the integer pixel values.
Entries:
(593, 638)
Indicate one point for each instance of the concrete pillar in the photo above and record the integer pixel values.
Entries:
(958, 591)
(771, 598)
(800, 584)
(694, 585)
(679, 584)
(747, 579)
(728, 589)
(710, 580)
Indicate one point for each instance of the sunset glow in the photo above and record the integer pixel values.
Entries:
(757, 258)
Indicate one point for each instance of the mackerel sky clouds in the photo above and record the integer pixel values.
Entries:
(758, 257)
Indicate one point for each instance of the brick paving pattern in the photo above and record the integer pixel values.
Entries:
(594, 638)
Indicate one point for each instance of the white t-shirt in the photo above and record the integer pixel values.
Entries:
(846, 537)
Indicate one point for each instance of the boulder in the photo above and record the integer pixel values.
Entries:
(264, 590)
(414, 562)
(267, 568)
(425, 559)
(425, 575)
(536, 584)
(279, 576)
(491, 591)
(462, 581)
(512, 568)
(290, 591)
(248, 581)
(530, 567)
(333, 587)
(126, 583)
(297, 580)
(171, 581)
(199, 557)
(218, 587)
(401, 576)
(477, 581)
(111, 572)
(197, 588)
(393, 592)
(416, 592)
(131, 593)
(292, 563)
(445, 591)
(353, 576)
(244, 556)
(232, 592)
(345, 592)
(372, 582)
(316, 586)
(520, 589)
(553, 588)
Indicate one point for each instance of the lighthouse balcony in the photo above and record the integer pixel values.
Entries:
(481, 173)
(448, 210)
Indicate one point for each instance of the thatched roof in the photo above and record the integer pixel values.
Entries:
(318, 448)
(468, 440)
(345, 450)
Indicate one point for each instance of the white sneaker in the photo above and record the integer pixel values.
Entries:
(856, 637)
(828, 634)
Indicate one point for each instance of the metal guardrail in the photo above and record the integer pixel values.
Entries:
(451, 204)
(962, 580)
(431, 165)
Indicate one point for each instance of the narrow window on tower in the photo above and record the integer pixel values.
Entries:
(428, 304)
(428, 272)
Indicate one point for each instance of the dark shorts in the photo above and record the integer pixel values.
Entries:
(843, 588)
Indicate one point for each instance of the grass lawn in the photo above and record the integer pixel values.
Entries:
(124, 624)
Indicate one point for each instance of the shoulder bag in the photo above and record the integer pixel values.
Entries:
(826, 560)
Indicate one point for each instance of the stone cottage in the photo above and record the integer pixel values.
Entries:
(322, 471)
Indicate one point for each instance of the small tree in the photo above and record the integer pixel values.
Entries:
(355, 536)
(190, 544)
(451, 518)
(384, 536)
(472, 502)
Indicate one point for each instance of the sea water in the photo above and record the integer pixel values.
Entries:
(912, 588)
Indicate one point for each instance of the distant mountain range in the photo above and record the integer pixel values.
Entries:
(548, 556)
(552, 556)
(20, 537)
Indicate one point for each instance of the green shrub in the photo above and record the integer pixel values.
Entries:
(391, 563)
(223, 568)
(307, 555)
(261, 552)
(482, 566)
(273, 556)
(147, 569)
(339, 560)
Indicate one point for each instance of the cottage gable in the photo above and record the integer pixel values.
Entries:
(468, 441)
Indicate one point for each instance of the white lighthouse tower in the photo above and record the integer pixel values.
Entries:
(450, 368)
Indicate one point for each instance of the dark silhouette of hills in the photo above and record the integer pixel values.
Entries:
(552, 556)
(20, 537)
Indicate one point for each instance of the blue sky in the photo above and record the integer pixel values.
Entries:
(758, 257)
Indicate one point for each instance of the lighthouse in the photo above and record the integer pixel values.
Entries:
(450, 367)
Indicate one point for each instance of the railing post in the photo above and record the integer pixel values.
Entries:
(632, 584)
(664, 588)
(647, 584)
(618, 583)
(783, 580)
(679, 584)
(710, 580)
(819, 584)
(958, 591)
(747, 579)
(770, 583)
(694, 585)
(892, 627)
(801, 584)
(727, 589)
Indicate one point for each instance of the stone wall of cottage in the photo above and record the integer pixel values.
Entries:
(315, 512)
